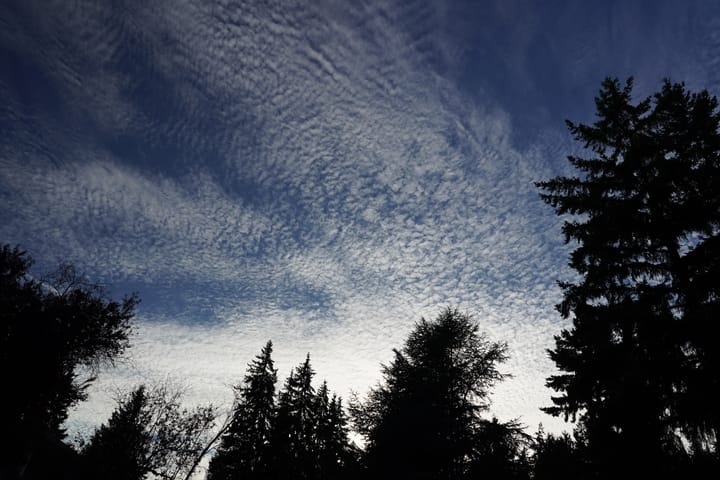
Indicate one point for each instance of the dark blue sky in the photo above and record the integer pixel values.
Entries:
(319, 173)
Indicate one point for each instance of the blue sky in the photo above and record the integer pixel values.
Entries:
(319, 173)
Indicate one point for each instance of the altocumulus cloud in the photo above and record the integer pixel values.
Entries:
(321, 175)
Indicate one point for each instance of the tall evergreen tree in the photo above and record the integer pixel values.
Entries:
(638, 362)
(294, 437)
(423, 421)
(323, 429)
(334, 454)
(244, 451)
(117, 451)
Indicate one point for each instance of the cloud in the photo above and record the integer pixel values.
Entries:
(317, 175)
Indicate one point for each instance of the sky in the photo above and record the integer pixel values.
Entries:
(319, 173)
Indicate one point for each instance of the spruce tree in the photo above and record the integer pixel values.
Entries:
(334, 455)
(638, 363)
(118, 450)
(245, 449)
(294, 439)
(323, 430)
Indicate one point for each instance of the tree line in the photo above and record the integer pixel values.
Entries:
(298, 433)
(638, 367)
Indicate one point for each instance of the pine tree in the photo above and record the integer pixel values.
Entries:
(323, 431)
(118, 450)
(334, 456)
(637, 362)
(245, 449)
(294, 439)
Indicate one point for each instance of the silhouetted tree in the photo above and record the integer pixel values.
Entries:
(244, 450)
(118, 450)
(558, 457)
(48, 329)
(641, 360)
(500, 451)
(423, 421)
(336, 458)
(150, 433)
(294, 441)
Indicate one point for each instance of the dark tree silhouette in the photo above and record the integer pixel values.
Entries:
(500, 451)
(49, 328)
(559, 457)
(423, 421)
(117, 450)
(303, 436)
(150, 433)
(640, 361)
(336, 458)
(294, 436)
(244, 450)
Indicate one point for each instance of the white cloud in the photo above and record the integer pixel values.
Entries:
(313, 174)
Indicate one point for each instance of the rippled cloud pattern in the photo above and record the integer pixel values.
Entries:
(320, 173)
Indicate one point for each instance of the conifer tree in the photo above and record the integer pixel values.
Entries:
(245, 450)
(117, 451)
(638, 363)
(294, 439)
(323, 428)
(334, 454)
